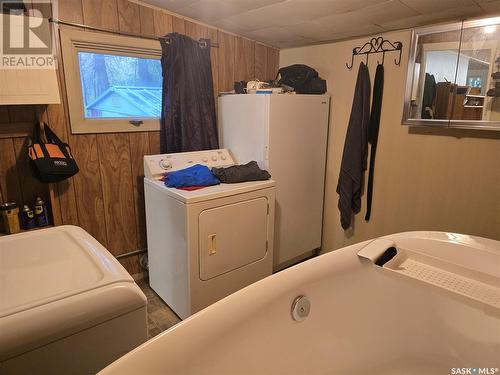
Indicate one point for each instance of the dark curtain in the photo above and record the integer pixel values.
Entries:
(188, 120)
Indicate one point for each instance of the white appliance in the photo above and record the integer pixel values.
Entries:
(67, 306)
(205, 244)
(287, 135)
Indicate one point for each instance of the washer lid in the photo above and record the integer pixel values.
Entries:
(47, 265)
(210, 192)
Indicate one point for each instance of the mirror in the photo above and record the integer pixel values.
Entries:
(454, 76)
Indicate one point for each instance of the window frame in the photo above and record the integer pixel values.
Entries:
(74, 41)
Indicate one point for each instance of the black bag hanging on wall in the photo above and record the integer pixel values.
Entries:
(303, 79)
(50, 161)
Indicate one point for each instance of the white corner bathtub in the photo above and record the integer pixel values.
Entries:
(434, 308)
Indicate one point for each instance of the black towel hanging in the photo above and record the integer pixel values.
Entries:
(373, 128)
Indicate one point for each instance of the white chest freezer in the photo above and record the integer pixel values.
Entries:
(66, 304)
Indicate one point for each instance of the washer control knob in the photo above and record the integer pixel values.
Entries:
(165, 164)
(204, 160)
(223, 157)
(214, 157)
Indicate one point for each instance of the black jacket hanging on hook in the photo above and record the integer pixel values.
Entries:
(355, 150)
(373, 128)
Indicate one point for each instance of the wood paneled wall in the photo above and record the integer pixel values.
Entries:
(106, 198)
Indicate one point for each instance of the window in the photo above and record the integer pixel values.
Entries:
(120, 86)
(113, 83)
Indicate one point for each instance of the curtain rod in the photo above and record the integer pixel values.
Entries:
(201, 41)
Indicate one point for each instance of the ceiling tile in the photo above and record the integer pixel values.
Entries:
(343, 6)
(229, 26)
(252, 4)
(348, 23)
(279, 14)
(427, 19)
(490, 6)
(430, 6)
(171, 5)
(313, 29)
(387, 11)
(276, 33)
(366, 29)
(209, 10)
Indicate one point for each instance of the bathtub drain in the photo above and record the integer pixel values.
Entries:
(300, 308)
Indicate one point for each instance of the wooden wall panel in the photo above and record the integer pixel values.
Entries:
(226, 61)
(9, 179)
(273, 57)
(59, 122)
(245, 60)
(88, 186)
(101, 13)
(118, 194)
(155, 23)
(178, 24)
(132, 264)
(55, 204)
(22, 113)
(195, 30)
(139, 146)
(128, 16)
(162, 23)
(154, 143)
(214, 59)
(80, 197)
(70, 10)
(114, 151)
(146, 17)
(4, 114)
(44, 8)
(261, 72)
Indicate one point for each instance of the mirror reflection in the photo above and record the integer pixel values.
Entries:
(456, 75)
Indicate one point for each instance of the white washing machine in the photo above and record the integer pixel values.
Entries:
(205, 244)
(67, 306)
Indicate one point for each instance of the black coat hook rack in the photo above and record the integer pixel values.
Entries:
(377, 45)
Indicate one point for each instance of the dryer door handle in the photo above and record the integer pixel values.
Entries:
(212, 244)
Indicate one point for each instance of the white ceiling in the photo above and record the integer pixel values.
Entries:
(291, 23)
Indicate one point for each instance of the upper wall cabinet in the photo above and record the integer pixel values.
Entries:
(28, 68)
(454, 76)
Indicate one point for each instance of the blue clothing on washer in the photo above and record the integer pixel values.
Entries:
(197, 175)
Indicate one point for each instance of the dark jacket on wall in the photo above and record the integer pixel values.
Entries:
(354, 158)
(429, 96)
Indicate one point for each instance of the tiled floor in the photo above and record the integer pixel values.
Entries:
(160, 316)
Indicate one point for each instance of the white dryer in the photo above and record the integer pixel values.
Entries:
(205, 244)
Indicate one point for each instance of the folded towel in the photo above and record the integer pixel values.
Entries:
(241, 173)
(197, 175)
